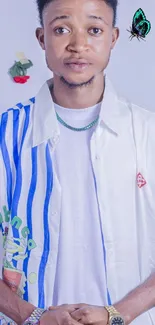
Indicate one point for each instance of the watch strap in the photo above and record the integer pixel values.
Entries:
(35, 317)
(111, 310)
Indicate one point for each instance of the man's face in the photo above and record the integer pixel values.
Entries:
(78, 36)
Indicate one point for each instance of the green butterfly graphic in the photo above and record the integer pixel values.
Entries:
(140, 25)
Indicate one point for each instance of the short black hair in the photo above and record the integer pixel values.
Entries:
(41, 4)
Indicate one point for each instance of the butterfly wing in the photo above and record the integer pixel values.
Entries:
(138, 17)
(143, 28)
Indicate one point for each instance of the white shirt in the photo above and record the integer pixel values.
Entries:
(80, 274)
(122, 146)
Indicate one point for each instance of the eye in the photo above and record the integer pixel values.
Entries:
(96, 29)
(60, 30)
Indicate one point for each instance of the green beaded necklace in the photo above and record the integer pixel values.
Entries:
(89, 126)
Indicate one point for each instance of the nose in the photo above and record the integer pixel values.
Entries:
(78, 43)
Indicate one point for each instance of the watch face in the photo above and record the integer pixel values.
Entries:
(117, 320)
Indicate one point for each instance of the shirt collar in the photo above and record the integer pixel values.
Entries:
(110, 110)
(45, 124)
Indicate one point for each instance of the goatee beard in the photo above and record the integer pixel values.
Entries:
(72, 85)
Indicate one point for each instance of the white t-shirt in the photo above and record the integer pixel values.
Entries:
(80, 275)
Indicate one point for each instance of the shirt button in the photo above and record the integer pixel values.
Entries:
(97, 157)
(55, 138)
(54, 213)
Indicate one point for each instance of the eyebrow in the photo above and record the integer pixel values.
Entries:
(67, 17)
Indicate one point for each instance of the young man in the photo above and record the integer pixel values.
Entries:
(77, 184)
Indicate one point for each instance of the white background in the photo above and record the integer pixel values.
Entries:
(131, 69)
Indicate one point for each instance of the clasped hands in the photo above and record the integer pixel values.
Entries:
(74, 315)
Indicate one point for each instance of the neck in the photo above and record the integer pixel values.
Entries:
(79, 97)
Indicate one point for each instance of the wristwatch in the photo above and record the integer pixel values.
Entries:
(115, 317)
(34, 317)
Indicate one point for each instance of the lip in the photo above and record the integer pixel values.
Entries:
(77, 67)
(76, 61)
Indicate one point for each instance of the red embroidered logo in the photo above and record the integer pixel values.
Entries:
(140, 180)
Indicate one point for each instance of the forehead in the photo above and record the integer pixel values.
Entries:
(79, 8)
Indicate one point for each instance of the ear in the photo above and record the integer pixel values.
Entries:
(40, 37)
(115, 36)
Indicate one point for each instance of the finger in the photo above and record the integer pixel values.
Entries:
(72, 307)
(66, 307)
(78, 306)
(53, 307)
(56, 307)
(72, 321)
(83, 315)
(59, 306)
(69, 308)
(77, 314)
